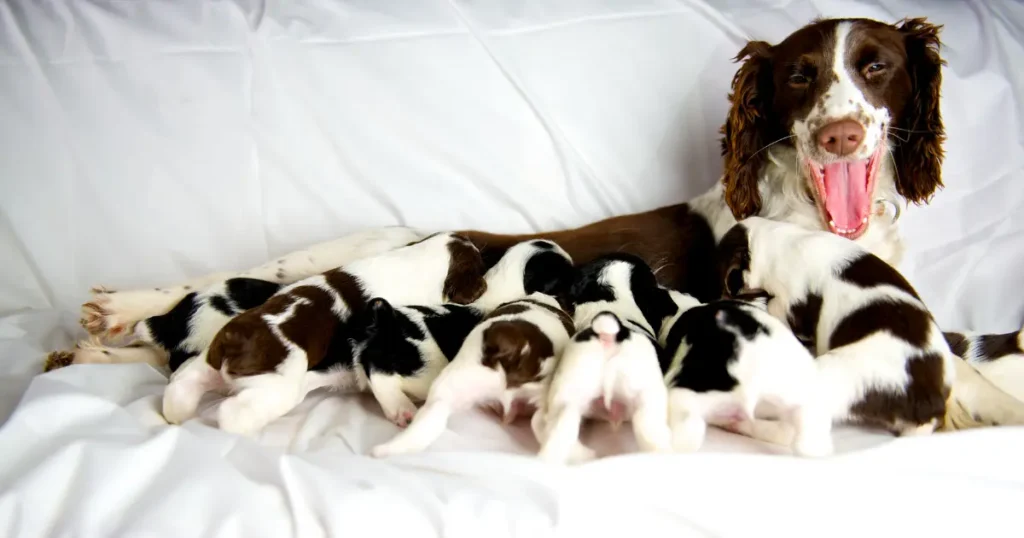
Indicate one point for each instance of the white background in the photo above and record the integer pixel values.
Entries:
(142, 142)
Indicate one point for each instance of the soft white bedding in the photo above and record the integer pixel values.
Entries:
(142, 142)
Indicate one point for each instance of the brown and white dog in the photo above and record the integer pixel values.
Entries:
(263, 354)
(881, 358)
(809, 139)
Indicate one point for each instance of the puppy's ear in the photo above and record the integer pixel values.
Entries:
(747, 129)
(918, 159)
(734, 260)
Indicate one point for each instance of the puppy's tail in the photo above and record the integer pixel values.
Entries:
(975, 402)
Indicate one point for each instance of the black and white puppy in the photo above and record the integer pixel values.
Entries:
(725, 358)
(882, 359)
(999, 357)
(611, 370)
(264, 354)
(400, 350)
(190, 326)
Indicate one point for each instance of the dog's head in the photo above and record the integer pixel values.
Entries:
(846, 94)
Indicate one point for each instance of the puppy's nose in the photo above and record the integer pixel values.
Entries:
(841, 137)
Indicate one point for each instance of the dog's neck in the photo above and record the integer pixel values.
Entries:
(785, 197)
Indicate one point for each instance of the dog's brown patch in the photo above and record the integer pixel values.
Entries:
(465, 280)
(673, 238)
(870, 271)
(519, 347)
(803, 319)
(958, 343)
(349, 288)
(996, 346)
(903, 320)
(923, 401)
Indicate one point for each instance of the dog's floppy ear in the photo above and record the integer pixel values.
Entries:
(918, 159)
(746, 129)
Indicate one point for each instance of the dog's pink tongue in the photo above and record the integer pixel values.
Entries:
(846, 193)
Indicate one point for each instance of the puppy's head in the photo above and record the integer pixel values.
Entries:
(518, 347)
(465, 280)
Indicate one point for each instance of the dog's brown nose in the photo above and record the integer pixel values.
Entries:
(841, 137)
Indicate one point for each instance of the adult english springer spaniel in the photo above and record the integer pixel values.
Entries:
(809, 140)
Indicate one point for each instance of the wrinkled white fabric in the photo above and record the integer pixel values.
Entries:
(142, 142)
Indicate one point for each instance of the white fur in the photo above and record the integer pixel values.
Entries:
(598, 373)
(466, 382)
(790, 262)
(773, 368)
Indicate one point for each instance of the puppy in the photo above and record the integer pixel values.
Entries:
(264, 354)
(611, 369)
(190, 326)
(999, 357)
(397, 351)
(882, 360)
(503, 360)
(725, 358)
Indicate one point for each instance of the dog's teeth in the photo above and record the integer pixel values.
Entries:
(864, 220)
(832, 223)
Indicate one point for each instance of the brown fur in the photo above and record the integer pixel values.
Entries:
(765, 99)
(465, 281)
(923, 401)
(519, 347)
(671, 239)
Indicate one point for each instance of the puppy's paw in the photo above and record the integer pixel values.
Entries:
(111, 315)
(403, 414)
(582, 453)
(813, 446)
(385, 450)
(238, 416)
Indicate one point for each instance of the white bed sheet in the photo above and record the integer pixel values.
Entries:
(142, 142)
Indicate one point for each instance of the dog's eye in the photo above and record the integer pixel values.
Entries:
(874, 68)
(799, 80)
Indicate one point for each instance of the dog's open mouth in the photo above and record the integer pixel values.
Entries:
(844, 191)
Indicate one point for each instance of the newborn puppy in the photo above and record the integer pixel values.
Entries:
(402, 349)
(264, 354)
(725, 358)
(397, 351)
(190, 326)
(999, 357)
(611, 368)
(882, 360)
(503, 360)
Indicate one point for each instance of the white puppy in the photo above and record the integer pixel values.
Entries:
(611, 368)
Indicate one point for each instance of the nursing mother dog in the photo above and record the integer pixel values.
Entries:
(810, 139)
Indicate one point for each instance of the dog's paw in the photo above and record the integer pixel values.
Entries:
(238, 416)
(813, 446)
(111, 315)
(403, 414)
(58, 359)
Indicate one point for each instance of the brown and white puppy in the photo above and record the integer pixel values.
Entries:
(882, 359)
(503, 360)
(264, 353)
(998, 357)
